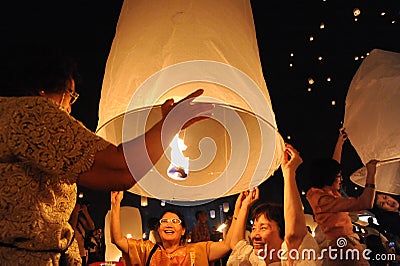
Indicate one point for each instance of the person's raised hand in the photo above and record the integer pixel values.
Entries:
(116, 197)
(186, 112)
(291, 158)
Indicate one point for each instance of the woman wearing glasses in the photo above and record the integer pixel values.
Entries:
(45, 153)
(173, 250)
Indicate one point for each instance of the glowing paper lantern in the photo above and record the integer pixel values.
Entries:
(168, 49)
(372, 117)
(131, 225)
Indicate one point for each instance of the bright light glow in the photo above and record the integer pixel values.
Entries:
(291, 54)
(328, 79)
(322, 25)
(333, 102)
(225, 206)
(144, 235)
(310, 81)
(162, 203)
(288, 137)
(80, 195)
(303, 192)
(319, 58)
(356, 58)
(212, 214)
(356, 12)
(221, 227)
(383, 13)
(309, 89)
(291, 65)
(143, 201)
(179, 167)
(356, 19)
(128, 235)
(311, 38)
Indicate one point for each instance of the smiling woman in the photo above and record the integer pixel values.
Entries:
(387, 213)
(173, 250)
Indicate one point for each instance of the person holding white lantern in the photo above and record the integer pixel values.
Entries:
(173, 250)
(45, 153)
(276, 228)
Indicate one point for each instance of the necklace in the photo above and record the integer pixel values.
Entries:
(175, 253)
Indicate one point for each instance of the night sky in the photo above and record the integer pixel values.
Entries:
(304, 112)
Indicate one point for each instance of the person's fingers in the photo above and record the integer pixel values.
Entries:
(193, 95)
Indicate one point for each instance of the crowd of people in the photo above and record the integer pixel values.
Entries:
(45, 154)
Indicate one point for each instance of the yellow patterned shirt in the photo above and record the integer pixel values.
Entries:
(42, 151)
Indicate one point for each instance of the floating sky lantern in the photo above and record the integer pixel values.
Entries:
(165, 50)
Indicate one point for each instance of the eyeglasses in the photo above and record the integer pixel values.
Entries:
(73, 96)
(173, 220)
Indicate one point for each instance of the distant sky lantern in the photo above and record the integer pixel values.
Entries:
(291, 64)
(310, 81)
(328, 79)
(322, 25)
(333, 103)
(383, 13)
(143, 201)
(311, 38)
(319, 58)
(160, 53)
(372, 118)
(212, 214)
(291, 54)
(356, 12)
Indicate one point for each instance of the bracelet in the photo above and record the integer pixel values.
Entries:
(370, 185)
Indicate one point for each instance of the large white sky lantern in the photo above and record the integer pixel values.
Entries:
(168, 49)
(372, 117)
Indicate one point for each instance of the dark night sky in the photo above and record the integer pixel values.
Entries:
(86, 29)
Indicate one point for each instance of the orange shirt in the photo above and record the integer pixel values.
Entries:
(331, 211)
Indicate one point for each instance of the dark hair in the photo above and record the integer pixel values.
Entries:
(198, 214)
(273, 212)
(181, 217)
(323, 172)
(38, 68)
(152, 223)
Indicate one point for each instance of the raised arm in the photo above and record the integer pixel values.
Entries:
(110, 170)
(363, 202)
(295, 224)
(115, 222)
(337, 153)
(244, 201)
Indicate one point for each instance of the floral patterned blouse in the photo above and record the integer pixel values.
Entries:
(42, 151)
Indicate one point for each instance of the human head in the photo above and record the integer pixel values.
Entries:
(42, 71)
(172, 232)
(268, 226)
(386, 202)
(201, 216)
(325, 172)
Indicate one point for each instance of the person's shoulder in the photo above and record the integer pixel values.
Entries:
(28, 102)
(313, 192)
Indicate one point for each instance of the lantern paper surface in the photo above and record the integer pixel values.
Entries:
(167, 49)
(372, 117)
(131, 223)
